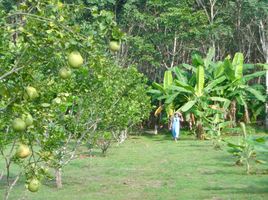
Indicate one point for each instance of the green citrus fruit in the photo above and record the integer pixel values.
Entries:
(75, 59)
(114, 46)
(28, 120)
(18, 124)
(31, 92)
(34, 185)
(65, 73)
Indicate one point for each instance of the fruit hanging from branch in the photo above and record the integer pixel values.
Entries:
(114, 46)
(23, 151)
(18, 124)
(65, 73)
(31, 92)
(28, 120)
(75, 59)
(34, 185)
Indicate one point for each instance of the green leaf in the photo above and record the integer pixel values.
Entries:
(248, 66)
(184, 85)
(189, 67)
(226, 104)
(254, 75)
(228, 69)
(235, 145)
(214, 83)
(264, 65)
(197, 60)
(238, 65)
(260, 140)
(256, 93)
(168, 80)
(180, 89)
(221, 99)
(159, 87)
(187, 106)
(152, 91)
(210, 56)
(219, 69)
(200, 80)
(225, 124)
(171, 98)
(179, 74)
(234, 151)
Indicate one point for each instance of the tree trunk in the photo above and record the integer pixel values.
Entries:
(58, 177)
(246, 115)
(200, 131)
(264, 44)
(233, 112)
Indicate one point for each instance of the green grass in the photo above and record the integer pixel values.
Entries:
(155, 167)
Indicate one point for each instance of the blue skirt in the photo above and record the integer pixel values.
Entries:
(175, 128)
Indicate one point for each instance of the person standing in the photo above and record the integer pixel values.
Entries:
(175, 125)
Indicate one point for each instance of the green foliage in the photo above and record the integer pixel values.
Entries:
(37, 38)
(248, 149)
(206, 90)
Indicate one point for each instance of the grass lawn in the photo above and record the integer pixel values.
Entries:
(154, 167)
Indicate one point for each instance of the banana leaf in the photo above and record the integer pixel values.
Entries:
(184, 85)
(219, 69)
(180, 89)
(180, 74)
(237, 63)
(210, 56)
(159, 87)
(197, 60)
(214, 83)
(189, 67)
(168, 80)
(187, 106)
(200, 80)
(256, 94)
(228, 69)
(155, 92)
(171, 98)
(253, 75)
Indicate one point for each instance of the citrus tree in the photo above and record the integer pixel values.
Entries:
(54, 68)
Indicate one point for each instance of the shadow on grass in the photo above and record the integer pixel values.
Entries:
(3, 182)
(166, 136)
(258, 188)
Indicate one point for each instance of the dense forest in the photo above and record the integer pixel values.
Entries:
(159, 34)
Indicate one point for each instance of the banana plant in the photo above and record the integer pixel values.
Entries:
(198, 99)
(237, 88)
(162, 92)
(248, 148)
(206, 84)
(190, 92)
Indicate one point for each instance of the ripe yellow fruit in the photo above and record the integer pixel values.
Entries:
(23, 151)
(34, 185)
(114, 46)
(18, 124)
(65, 73)
(158, 111)
(31, 92)
(75, 59)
